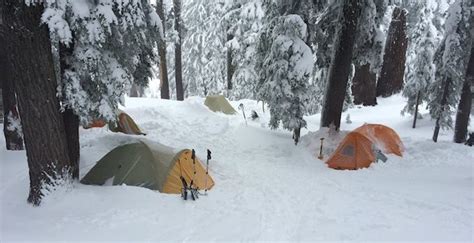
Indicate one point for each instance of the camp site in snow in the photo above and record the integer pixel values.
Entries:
(231, 121)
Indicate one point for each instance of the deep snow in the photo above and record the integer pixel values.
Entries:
(266, 188)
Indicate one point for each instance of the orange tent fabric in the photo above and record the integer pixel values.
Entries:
(357, 149)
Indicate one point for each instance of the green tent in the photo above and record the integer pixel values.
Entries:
(149, 165)
(218, 103)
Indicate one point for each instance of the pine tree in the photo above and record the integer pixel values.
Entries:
(465, 102)
(285, 71)
(451, 61)
(420, 68)
(367, 52)
(244, 21)
(340, 65)
(203, 46)
(164, 82)
(31, 64)
(390, 80)
(114, 46)
(177, 50)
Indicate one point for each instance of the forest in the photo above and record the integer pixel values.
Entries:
(297, 71)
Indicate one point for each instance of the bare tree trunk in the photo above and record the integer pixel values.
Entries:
(177, 51)
(11, 118)
(393, 67)
(465, 103)
(164, 86)
(443, 104)
(364, 86)
(415, 116)
(230, 67)
(71, 120)
(32, 66)
(341, 66)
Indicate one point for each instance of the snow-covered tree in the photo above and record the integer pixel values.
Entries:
(420, 69)
(113, 46)
(245, 22)
(204, 46)
(450, 59)
(285, 72)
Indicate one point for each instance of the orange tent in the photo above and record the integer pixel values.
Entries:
(357, 149)
(124, 124)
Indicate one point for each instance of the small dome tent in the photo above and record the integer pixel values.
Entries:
(357, 149)
(149, 165)
(218, 103)
(124, 124)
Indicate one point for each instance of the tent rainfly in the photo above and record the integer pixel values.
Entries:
(149, 165)
(357, 149)
(218, 103)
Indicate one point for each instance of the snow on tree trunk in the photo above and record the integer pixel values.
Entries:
(164, 86)
(465, 103)
(364, 86)
(393, 68)
(177, 51)
(32, 64)
(340, 66)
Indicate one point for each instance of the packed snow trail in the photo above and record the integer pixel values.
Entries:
(266, 188)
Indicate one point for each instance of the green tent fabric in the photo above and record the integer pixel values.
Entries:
(136, 164)
(150, 165)
(218, 103)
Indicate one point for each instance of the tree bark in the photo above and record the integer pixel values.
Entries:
(164, 86)
(71, 120)
(230, 67)
(443, 104)
(415, 116)
(393, 66)
(341, 66)
(13, 137)
(364, 86)
(32, 66)
(177, 51)
(465, 103)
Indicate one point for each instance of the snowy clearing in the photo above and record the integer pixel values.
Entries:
(266, 188)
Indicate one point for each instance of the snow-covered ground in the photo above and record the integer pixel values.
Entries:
(266, 188)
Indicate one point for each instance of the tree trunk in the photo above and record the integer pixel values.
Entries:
(465, 103)
(341, 66)
(11, 118)
(443, 104)
(364, 86)
(32, 66)
(177, 51)
(164, 86)
(415, 116)
(393, 67)
(230, 67)
(71, 120)
(71, 126)
(136, 91)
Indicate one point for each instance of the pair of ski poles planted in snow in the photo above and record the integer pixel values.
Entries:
(191, 188)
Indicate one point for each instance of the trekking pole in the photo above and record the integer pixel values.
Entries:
(241, 107)
(207, 170)
(321, 150)
(193, 190)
